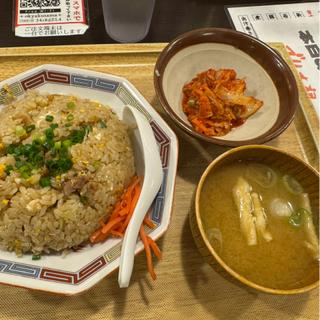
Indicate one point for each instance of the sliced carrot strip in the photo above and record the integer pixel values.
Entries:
(116, 233)
(121, 206)
(155, 248)
(125, 223)
(148, 252)
(101, 237)
(95, 236)
(135, 199)
(132, 206)
(147, 221)
(136, 180)
(107, 227)
(116, 209)
(123, 211)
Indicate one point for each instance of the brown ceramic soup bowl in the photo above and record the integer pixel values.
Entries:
(307, 176)
(268, 78)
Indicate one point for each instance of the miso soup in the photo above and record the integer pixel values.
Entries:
(279, 248)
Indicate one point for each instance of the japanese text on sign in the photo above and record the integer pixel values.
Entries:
(39, 18)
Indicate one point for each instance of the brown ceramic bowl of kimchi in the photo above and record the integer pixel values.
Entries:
(226, 87)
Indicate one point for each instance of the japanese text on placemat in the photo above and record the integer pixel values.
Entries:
(311, 46)
(39, 3)
(298, 59)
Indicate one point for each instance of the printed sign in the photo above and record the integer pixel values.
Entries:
(299, 25)
(45, 18)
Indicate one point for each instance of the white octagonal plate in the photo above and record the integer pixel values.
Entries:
(80, 270)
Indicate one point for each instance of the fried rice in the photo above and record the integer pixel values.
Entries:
(64, 162)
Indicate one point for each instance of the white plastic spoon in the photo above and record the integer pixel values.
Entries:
(150, 168)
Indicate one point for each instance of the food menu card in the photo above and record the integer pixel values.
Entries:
(50, 18)
(297, 26)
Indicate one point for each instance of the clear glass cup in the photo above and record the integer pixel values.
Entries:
(127, 20)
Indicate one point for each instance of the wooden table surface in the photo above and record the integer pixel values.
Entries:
(186, 288)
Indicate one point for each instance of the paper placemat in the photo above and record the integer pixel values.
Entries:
(297, 26)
